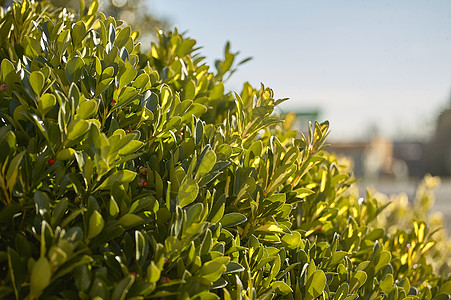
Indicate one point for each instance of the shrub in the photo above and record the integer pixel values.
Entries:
(133, 175)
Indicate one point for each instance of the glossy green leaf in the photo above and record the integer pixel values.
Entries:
(37, 82)
(8, 75)
(87, 109)
(103, 85)
(342, 292)
(40, 276)
(187, 192)
(233, 267)
(119, 177)
(382, 260)
(232, 219)
(292, 241)
(122, 37)
(213, 269)
(387, 284)
(96, 224)
(206, 164)
(122, 287)
(73, 69)
(130, 220)
(127, 75)
(76, 129)
(316, 284)
(78, 32)
(153, 272)
(281, 287)
(357, 280)
(46, 102)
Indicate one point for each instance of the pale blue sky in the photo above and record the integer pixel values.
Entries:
(363, 63)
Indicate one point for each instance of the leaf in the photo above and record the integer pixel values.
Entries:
(122, 37)
(153, 272)
(233, 267)
(141, 81)
(187, 192)
(382, 260)
(76, 129)
(127, 95)
(111, 34)
(205, 295)
(96, 224)
(316, 284)
(217, 211)
(232, 219)
(131, 147)
(40, 276)
(357, 280)
(73, 69)
(217, 92)
(119, 177)
(78, 32)
(9, 75)
(42, 202)
(130, 220)
(185, 47)
(113, 207)
(103, 86)
(7, 144)
(337, 257)
(198, 132)
(292, 241)
(122, 287)
(127, 75)
(37, 82)
(213, 269)
(140, 242)
(281, 287)
(207, 163)
(87, 109)
(281, 174)
(420, 229)
(303, 192)
(342, 292)
(149, 100)
(13, 169)
(386, 285)
(46, 102)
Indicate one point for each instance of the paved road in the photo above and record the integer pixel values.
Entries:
(442, 193)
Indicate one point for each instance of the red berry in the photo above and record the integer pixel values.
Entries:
(142, 182)
(143, 170)
(165, 279)
(3, 87)
(129, 131)
(320, 229)
(113, 102)
(180, 133)
(133, 273)
(51, 161)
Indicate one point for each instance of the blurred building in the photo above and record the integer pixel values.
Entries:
(438, 152)
(382, 157)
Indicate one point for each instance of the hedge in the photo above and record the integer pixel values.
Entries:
(131, 175)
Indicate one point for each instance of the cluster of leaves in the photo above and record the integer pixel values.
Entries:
(133, 175)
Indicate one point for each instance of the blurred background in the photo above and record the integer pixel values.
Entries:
(379, 71)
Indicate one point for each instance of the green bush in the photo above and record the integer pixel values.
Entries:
(133, 175)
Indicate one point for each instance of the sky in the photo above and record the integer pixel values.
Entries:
(363, 64)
